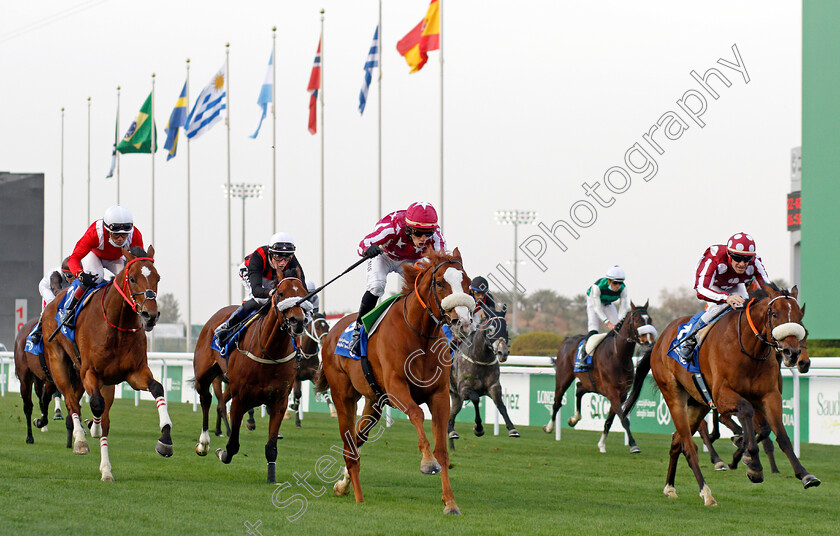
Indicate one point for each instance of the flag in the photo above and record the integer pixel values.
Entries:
(423, 38)
(208, 106)
(314, 86)
(265, 92)
(114, 149)
(177, 119)
(371, 62)
(138, 137)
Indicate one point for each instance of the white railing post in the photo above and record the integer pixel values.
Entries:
(796, 412)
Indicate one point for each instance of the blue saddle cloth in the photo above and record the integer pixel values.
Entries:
(66, 331)
(583, 362)
(36, 349)
(692, 366)
(343, 346)
(232, 339)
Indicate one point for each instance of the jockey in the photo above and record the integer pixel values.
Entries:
(721, 278)
(314, 300)
(602, 295)
(485, 304)
(260, 272)
(101, 247)
(401, 236)
(52, 283)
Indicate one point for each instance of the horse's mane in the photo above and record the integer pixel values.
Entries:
(760, 293)
(412, 272)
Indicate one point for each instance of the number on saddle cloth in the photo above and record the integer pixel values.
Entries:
(342, 348)
(34, 349)
(68, 332)
(583, 363)
(683, 332)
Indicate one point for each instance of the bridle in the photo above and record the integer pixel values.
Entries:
(285, 325)
(311, 335)
(634, 336)
(772, 342)
(128, 296)
(488, 343)
(443, 319)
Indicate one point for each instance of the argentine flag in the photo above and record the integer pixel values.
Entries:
(265, 93)
(208, 106)
(371, 62)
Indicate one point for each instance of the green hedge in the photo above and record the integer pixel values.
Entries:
(541, 343)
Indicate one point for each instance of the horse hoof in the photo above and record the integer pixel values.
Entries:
(201, 450)
(454, 435)
(430, 468)
(756, 477)
(478, 432)
(43, 429)
(164, 450)
(251, 425)
(341, 488)
(219, 433)
(107, 477)
(721, 466)
(30, 440)
(810, 481)
(279, 434)
(221, 455)
(635, 449)
(602, 449)
(39, 423)
(670, 492)
(452, 510)
(572, 421)
(58, 416)
(81, 448)
(548, 428)
(513, 433)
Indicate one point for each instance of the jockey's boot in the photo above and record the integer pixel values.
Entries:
(367, 305)
(36, 333)
(686, 348)
(229, 326)
(67, 316)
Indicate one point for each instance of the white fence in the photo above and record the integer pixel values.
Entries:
(811, 401)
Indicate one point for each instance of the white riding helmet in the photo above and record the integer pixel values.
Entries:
(616, 273)
(310, 286)
(118, 219)
(281, 243)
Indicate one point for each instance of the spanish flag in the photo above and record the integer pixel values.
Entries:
(423, 38)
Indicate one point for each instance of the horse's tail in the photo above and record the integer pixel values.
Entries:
(638, 381)
(320, 380)
(191, 382)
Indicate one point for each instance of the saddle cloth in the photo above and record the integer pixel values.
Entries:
(692, 366)
(370, 322)
(66, 331)
(233, 339)
(583, 360)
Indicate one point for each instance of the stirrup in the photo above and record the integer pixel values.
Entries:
(356, 340)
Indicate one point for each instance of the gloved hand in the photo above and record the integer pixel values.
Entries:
(88, 280)
(372, 252)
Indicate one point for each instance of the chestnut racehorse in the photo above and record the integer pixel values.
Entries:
(29, 371)
(611, 374)
(738, 363)
(260, 370)
(410, 362)
(111, 346)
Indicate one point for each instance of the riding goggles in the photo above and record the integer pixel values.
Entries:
(122, 228)
(421, 232)
(740, 258)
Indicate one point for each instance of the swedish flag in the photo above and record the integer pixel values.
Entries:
(177, 119)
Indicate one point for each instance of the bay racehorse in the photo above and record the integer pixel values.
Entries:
(611, 374)
(743, 378)
(410, 362)
(30, 372)
(222, 393)
(307, 368)
(260, 369)
(475, 373)
(110, 348)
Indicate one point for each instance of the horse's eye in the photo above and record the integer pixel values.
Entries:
(773, 314)
(439, 284)
(132, 279)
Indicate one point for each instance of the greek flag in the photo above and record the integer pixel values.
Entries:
(265, 93)
(371, 62)
(208, 106)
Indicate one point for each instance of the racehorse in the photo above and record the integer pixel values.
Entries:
(260, 368)
(611, 374)
(222, 398)
(307, 367)
(110, 348)
(476, 374)
(410, 360)
(29, 371)
(734, 360)
(763, 436)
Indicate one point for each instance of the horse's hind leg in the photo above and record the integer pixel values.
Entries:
(718, 464)
(563, 380)
(143, 380)
(206, 401)
(495, 393)
(473, 397)
(26, 396)
(455, 405)
(763, 437)
(746, 413)
(296, 405)
(44, 391)
(107, 395)
(251, 423)
(221, 411)
(232, 447)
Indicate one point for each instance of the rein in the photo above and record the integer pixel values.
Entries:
(127, 295)
(284, 326)
(774, 344)
(433, 293)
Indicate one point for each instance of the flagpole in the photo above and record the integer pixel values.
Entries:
(379, 127)
(88, 163)
(61, 203)
(273, 131)
(152, 152)
(323, 294)
(117, 152)
(189, 230)
(440, 40)
(227, 122)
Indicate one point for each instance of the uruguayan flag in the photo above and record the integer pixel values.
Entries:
(371, 62)
(265, 93)
(208, 106)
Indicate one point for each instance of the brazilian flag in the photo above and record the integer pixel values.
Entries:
(138, 138)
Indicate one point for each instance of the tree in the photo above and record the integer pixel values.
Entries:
(169, 309)
(680, 302)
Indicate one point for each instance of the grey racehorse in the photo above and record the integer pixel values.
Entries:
(475, 373)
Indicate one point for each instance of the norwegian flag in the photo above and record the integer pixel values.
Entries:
(314, 86)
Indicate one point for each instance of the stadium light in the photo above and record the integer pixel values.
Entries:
(515, 218)
(243, 190)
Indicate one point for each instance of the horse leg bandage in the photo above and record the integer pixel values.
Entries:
(162, 412)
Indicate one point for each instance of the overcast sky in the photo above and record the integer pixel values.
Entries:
(540, 97)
